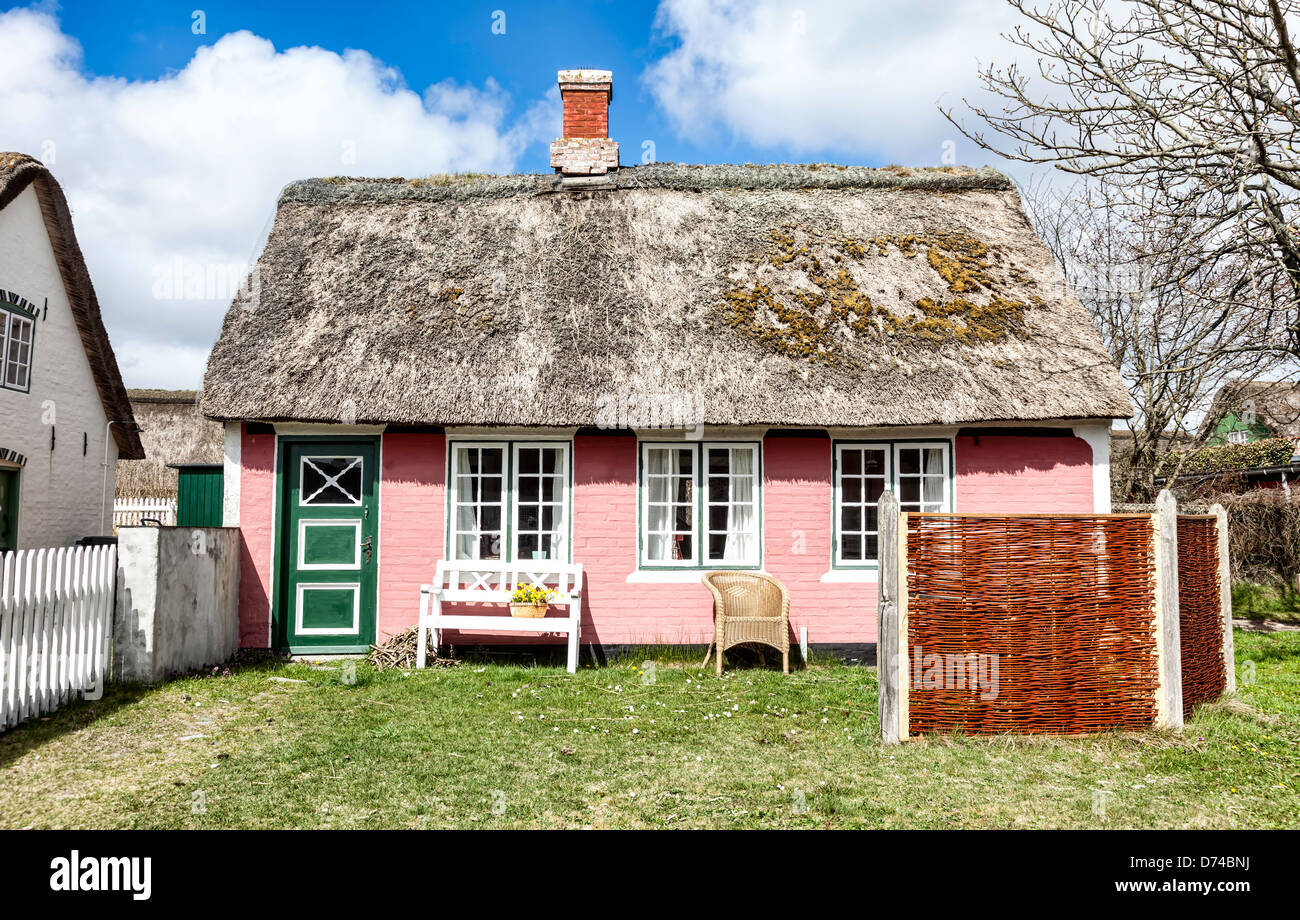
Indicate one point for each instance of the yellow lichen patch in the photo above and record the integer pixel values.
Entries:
(819, 320)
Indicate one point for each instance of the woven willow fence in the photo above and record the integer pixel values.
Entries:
(1047, 623)
(1200, 614)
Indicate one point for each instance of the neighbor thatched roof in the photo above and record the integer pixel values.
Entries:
(781, 295)
(1276, 404)
(17, 172)
(173, 431)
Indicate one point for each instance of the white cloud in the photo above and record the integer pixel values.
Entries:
(859, 78)
(188, 167)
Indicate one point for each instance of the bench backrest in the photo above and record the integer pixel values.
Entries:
(473, 580)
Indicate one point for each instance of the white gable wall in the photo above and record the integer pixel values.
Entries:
(62, 496)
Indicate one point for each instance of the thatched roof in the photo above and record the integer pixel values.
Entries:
(17, 172)
(781, 295)
(173, 432)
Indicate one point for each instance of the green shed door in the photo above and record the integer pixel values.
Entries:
(200, 493)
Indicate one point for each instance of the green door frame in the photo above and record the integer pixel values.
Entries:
(285, 524)
(11, 489)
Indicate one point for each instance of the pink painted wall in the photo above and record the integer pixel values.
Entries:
(256, 526)
(412, 497)
(1023, 475)
(1016, 474)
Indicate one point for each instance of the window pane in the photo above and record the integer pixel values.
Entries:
(875, 462)
(684, 517)
(657, 547)
(684, 491)
(527, 546)
(718, 517)
(657, 518)
(875, 488)
(528, 488)
(683, 547)
(851, 490)
(493, 460)
(872, 547)
(718, 490)
(551, 460)
(934, 461)
(489, 489)
(330, 481)
(717, 546)
(909, 489)
(909, 460)
(933, 489)
(851, 519)
(851, 546)
(851, 462)
(489, 517)
(530, 460)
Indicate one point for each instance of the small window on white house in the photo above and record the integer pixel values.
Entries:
(918, 474)
(509, 501)
(1240, 436)
(15, 350)
(700, 505)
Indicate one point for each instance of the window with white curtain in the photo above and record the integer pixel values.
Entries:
(509, 501)
(918, 474)
(700, 505)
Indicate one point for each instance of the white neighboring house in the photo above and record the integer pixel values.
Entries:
(63, 408)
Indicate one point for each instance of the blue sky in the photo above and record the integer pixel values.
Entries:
(172, 146)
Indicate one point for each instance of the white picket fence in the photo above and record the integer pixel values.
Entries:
(56, 619)
(130, 511)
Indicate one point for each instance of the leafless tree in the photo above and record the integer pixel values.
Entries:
(1146, 300)
(1187, 110)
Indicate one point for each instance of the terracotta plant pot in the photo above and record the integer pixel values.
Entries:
(528, 610)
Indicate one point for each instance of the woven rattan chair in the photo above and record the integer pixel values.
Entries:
(748, 608)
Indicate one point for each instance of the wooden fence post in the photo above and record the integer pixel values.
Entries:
(888, 663)
(1169, 654)
(1225, 597)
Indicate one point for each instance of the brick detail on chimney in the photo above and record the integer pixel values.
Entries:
(586, 111)
(585, 149)
(584, 156)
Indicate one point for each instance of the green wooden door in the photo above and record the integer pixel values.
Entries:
(329, 526)
(199, 494)
(8, 509)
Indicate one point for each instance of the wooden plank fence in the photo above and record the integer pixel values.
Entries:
(56, 616)
(129, 512)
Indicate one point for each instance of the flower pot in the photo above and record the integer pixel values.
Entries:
(528, 610)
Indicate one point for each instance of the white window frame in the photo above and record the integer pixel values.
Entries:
(510, 497)
(837, 502)
(11, 318)
(945, 504)
(893, 479)
(1239, 436)
(560, 531)
(700, 519)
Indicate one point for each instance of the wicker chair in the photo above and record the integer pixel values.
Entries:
(748, 608)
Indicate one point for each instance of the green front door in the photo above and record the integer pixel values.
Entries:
(329, 526)
(8, 509)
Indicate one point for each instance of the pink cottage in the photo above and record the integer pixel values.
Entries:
(654, 371)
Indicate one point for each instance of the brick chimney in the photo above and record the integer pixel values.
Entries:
(585, 149)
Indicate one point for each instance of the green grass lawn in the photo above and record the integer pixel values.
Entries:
(274, 744)
(1266, 602)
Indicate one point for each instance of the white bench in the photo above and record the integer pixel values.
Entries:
(483, 581)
